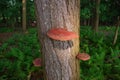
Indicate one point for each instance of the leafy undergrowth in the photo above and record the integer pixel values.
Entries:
(105, 58)
(17, 54)
(6, 29)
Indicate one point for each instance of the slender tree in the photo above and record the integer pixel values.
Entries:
(95, 21)
(59, 57)
(116, 31)
(24, 15)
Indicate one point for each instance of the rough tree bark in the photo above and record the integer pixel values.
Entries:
(24, 15)
(95, 21)
(59, 56)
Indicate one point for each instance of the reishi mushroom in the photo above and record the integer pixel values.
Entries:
(61, 34)
(83, 56)
(37, 62)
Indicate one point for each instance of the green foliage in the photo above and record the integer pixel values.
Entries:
(30, 10)
(5, 29)
(17, 54)
(108, 12)
(4, 4)
(85, 10)
(105, 58)
(85, 13)
(11, 12)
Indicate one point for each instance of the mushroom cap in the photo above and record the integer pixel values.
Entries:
(61, 34)
(83, 56)
(37, 62)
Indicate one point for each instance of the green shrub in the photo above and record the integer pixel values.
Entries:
(17, 55)
(105, 58)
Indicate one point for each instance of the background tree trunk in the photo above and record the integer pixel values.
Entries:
(95, 21)
(116, 31)
(24, 15)
(59, 56)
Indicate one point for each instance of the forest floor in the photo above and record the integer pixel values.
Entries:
(6, 33)
(5, 36)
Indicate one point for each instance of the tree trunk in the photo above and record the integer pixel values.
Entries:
(95, 20)
(59, 57)
(4, 21)
(116, 31)
(24, 15)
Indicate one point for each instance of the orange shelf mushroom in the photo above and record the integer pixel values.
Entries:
(37, 62)
(61, 34)
(83, 56)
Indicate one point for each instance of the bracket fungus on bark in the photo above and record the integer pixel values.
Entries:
(83, 56)
(61, 34)
(37, 62)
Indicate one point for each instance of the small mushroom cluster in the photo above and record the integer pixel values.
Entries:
(63, 34)
(83, 56)
(37, 62)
